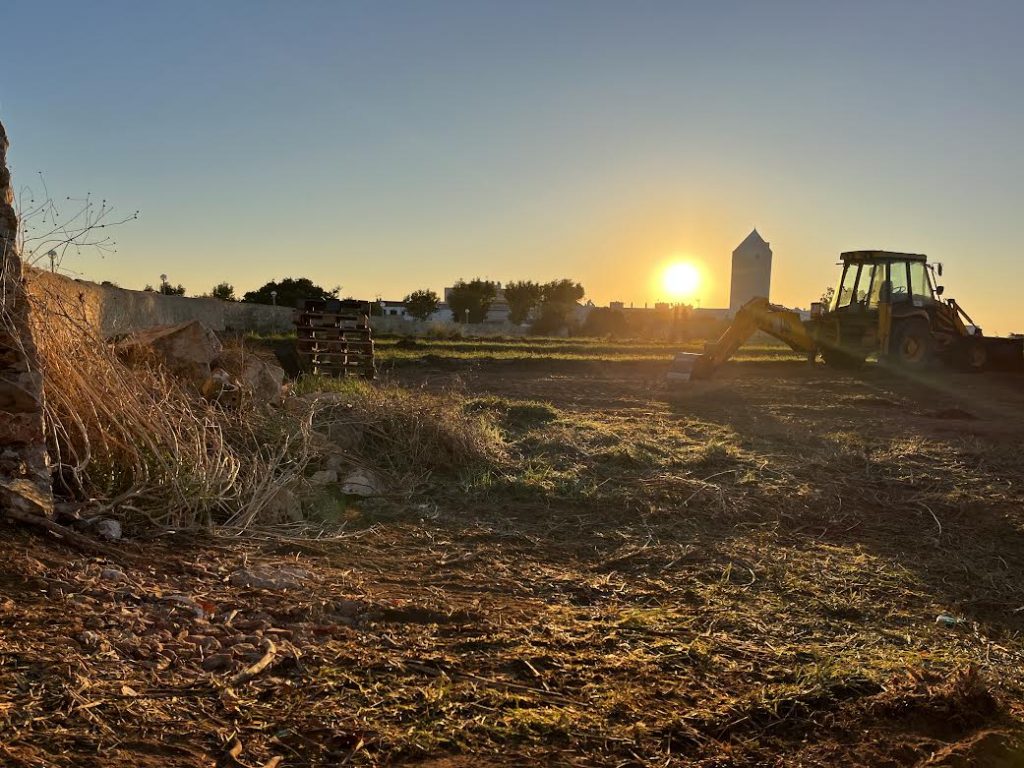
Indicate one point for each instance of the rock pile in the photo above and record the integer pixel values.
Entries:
(193, 351)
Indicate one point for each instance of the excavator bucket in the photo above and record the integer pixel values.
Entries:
(683, 366)
(689, 366)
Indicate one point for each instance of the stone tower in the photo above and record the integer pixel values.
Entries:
(751, 271)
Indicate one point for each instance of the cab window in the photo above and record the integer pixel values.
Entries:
(877, 278)
(900, 281)
(920, 288)
(845, 294)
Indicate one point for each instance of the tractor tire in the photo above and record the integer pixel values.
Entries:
(971, 356)
(835, 357)
(912, 345)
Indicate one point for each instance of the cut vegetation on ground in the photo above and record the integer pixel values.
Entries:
(744, 572)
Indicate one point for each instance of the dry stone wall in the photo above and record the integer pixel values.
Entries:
(24, 475)
(118, 311)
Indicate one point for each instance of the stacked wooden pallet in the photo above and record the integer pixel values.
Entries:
(333, 338)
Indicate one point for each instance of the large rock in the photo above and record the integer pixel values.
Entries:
(187, 349)
(361, 482)
(262, 379)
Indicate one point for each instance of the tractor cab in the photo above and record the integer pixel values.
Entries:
(870, 276)
(887, 302)
(882, 297)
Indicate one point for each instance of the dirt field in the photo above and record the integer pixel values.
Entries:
(746, 571)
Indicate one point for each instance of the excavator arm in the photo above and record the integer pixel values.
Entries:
(758, 314)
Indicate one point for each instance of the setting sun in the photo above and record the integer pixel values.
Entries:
(681, 280)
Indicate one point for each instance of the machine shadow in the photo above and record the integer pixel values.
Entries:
(922, 470)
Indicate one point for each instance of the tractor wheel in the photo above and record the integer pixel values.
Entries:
(912, 344)
(972, 356)
(836, 357)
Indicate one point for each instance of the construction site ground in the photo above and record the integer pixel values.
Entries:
(744, 571)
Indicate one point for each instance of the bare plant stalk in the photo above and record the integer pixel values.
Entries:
(51, 230)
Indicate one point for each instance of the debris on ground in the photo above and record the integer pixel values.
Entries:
(640, 577)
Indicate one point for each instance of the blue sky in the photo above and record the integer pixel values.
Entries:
(391, 146)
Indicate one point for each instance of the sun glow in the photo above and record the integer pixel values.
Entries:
(681, 280)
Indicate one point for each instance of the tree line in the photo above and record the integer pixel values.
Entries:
(288, 292)
(547, 305)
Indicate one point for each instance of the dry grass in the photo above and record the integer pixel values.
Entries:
(145, 445)
(410, 436)
(745, 572)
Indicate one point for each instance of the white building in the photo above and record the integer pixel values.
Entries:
(497, 312)
(394, 309)
(751, 271)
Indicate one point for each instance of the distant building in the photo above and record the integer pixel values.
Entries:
(497, 312)
(394, 309)
(710, 313)
(442, 314)
(751, 271)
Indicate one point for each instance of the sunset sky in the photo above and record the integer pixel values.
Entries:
(392, 146)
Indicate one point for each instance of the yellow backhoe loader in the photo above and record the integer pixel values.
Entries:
(886, 304)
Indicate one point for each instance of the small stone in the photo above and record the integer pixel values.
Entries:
(217, 662)
(207, 643)
(361, 482)
(88, 639)
(349, 608)
(93, 641)
(337, 461)
(269, 578)
(252, 625)
(114, 575)
(324, 477)
(197, 610)
(108, 529)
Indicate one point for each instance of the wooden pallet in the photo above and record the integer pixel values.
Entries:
(333, 338)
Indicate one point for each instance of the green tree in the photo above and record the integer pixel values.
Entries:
(474, 296)
(171, 290)
(558, 299)
(522, 296)
(604, 321)
(290, 292)
(562, 292)
(422, 304)
(224, 291)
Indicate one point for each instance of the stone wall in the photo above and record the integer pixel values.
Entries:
(118, 310)
(24, 475)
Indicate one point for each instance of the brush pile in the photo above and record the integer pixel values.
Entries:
(138, 441)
